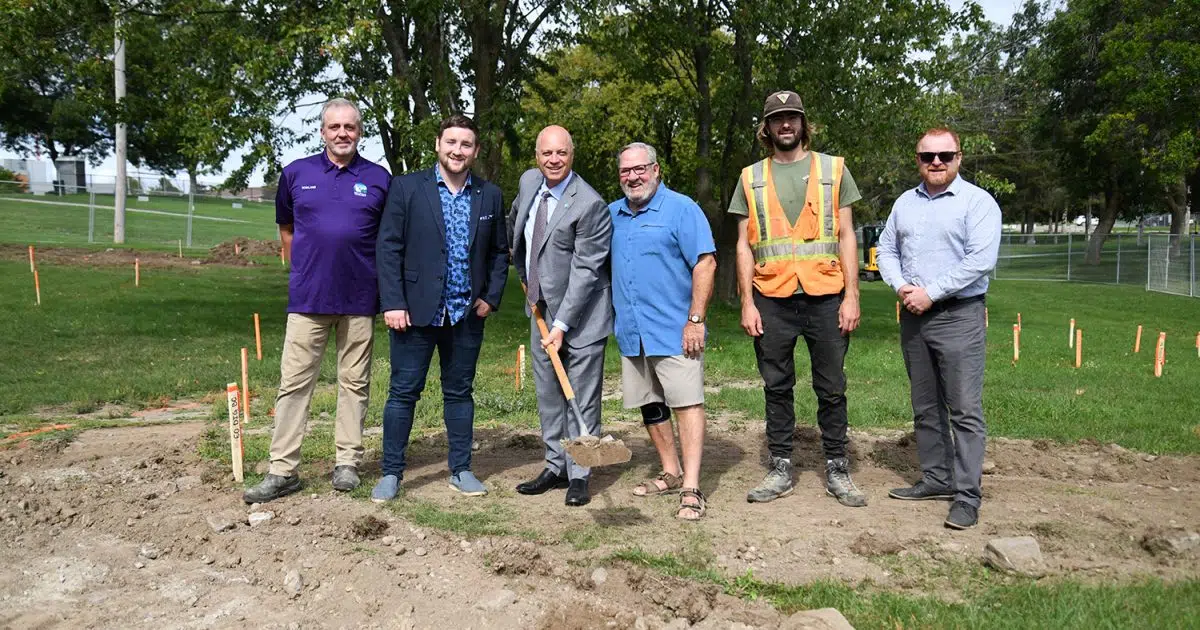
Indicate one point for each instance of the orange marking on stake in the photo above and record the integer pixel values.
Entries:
(245, 385)
(1018, 321)
(1160, 354)
(1137, 341)
(1078, 348)
(37, 287)
(32, 265)
(1016, 343)
(257, 338)
(13, 437)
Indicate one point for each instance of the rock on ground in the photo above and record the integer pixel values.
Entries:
(1020, 554)
(818, 619)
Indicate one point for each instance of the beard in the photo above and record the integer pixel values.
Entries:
(639, 196)
(781, 145)
(940, 178)
(448, 167)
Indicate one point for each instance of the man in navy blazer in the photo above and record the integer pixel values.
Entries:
(442, 259)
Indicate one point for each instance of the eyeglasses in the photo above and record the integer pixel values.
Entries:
(640, 169)
(945, 156)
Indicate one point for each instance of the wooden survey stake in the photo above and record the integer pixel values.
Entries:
(257, 338)
(521, 366)
(1071, 335)
(1137, 341)
(1160, 354)
(37, 287)
(1016, 342)
(1018, 321)
(1078, 347)
(245, 386)
(32, 265)
(137, 272)
(235, 430)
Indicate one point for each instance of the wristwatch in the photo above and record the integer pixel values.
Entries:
(695, 319)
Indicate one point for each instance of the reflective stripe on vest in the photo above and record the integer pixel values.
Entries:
(787, 248)
(758, 184)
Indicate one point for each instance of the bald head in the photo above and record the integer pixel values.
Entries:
(555, 152)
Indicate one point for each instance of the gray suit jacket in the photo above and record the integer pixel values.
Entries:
(573, 258)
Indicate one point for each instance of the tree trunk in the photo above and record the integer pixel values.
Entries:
(701, 55)
(740, 119)
(1108, 217)
(1176, 199)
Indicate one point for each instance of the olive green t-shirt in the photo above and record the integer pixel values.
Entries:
(791, 184)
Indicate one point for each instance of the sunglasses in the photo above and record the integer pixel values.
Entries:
(945, 156)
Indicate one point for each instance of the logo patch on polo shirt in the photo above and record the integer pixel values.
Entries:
(360, 189)
(308, 188)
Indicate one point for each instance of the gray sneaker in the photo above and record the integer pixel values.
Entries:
(839, 485)
(272, 487)
(345, 478)
(778, 482)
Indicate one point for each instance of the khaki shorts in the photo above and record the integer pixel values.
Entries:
(676, 381)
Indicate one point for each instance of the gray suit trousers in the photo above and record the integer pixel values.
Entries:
(585, 370)
(944, 352)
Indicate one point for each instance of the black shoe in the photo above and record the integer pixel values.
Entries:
(272, 487)
(544, 482)
(922, 491)
(577, 494)
(962, 516)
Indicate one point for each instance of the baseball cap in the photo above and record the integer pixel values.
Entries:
(782, 101)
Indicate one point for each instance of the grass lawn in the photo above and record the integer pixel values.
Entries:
(97, 339)
(25, 219)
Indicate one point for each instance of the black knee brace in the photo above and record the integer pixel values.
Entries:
(655, 413)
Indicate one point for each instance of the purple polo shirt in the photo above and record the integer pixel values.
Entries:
(335, 213)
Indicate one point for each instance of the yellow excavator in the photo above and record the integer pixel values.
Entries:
(870, 239)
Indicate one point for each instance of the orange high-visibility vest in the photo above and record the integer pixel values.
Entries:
(803, 255)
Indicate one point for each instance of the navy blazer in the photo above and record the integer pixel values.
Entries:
(410, 254)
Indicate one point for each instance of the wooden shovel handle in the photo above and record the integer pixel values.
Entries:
(561, 372)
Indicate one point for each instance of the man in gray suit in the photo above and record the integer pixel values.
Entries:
(561, 239)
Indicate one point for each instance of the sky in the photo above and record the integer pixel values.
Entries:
(999, 11)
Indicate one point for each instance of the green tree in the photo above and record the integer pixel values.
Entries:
(54, 77)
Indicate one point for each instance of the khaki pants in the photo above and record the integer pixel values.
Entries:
(303, 348)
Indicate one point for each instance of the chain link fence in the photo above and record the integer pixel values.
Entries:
(166, 216)
(1157, 262)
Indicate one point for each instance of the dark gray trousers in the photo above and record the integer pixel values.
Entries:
(944, 352)
(585, 371)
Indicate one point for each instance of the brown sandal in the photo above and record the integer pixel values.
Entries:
(699, 508)
(649, 488)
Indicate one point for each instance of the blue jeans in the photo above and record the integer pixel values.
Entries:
(411, 353)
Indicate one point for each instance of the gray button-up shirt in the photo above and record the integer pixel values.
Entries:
(946, 243)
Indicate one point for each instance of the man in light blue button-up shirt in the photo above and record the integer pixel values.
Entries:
(936, 251)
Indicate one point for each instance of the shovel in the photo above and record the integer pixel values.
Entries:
(587, 450)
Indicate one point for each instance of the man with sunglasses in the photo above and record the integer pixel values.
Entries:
(797, 269)
(939, 244)
(663, 268)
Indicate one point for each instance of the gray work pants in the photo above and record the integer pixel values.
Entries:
(944, 351)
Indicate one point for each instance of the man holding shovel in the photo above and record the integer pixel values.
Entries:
(663, 270)
(561, 241)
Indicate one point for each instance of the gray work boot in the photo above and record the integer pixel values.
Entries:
(778, 482)
(839, 485)
(345, 478)
(272, 487)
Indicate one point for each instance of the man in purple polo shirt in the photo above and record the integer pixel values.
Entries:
(328, 208)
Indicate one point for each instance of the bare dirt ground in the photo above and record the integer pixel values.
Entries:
(127, 527)
(235, 252)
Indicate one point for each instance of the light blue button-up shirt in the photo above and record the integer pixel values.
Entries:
(653, 253)
(946, 243)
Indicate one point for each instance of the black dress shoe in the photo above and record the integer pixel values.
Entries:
(922, 491)
(577, 493)
(542, 483)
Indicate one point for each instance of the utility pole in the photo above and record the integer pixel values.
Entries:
(119, 80)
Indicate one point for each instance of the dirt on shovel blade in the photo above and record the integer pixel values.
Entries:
(589, 451)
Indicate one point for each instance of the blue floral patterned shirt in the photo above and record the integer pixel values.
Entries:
(456, 211)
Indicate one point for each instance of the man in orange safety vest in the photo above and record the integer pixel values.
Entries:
(797, 268)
